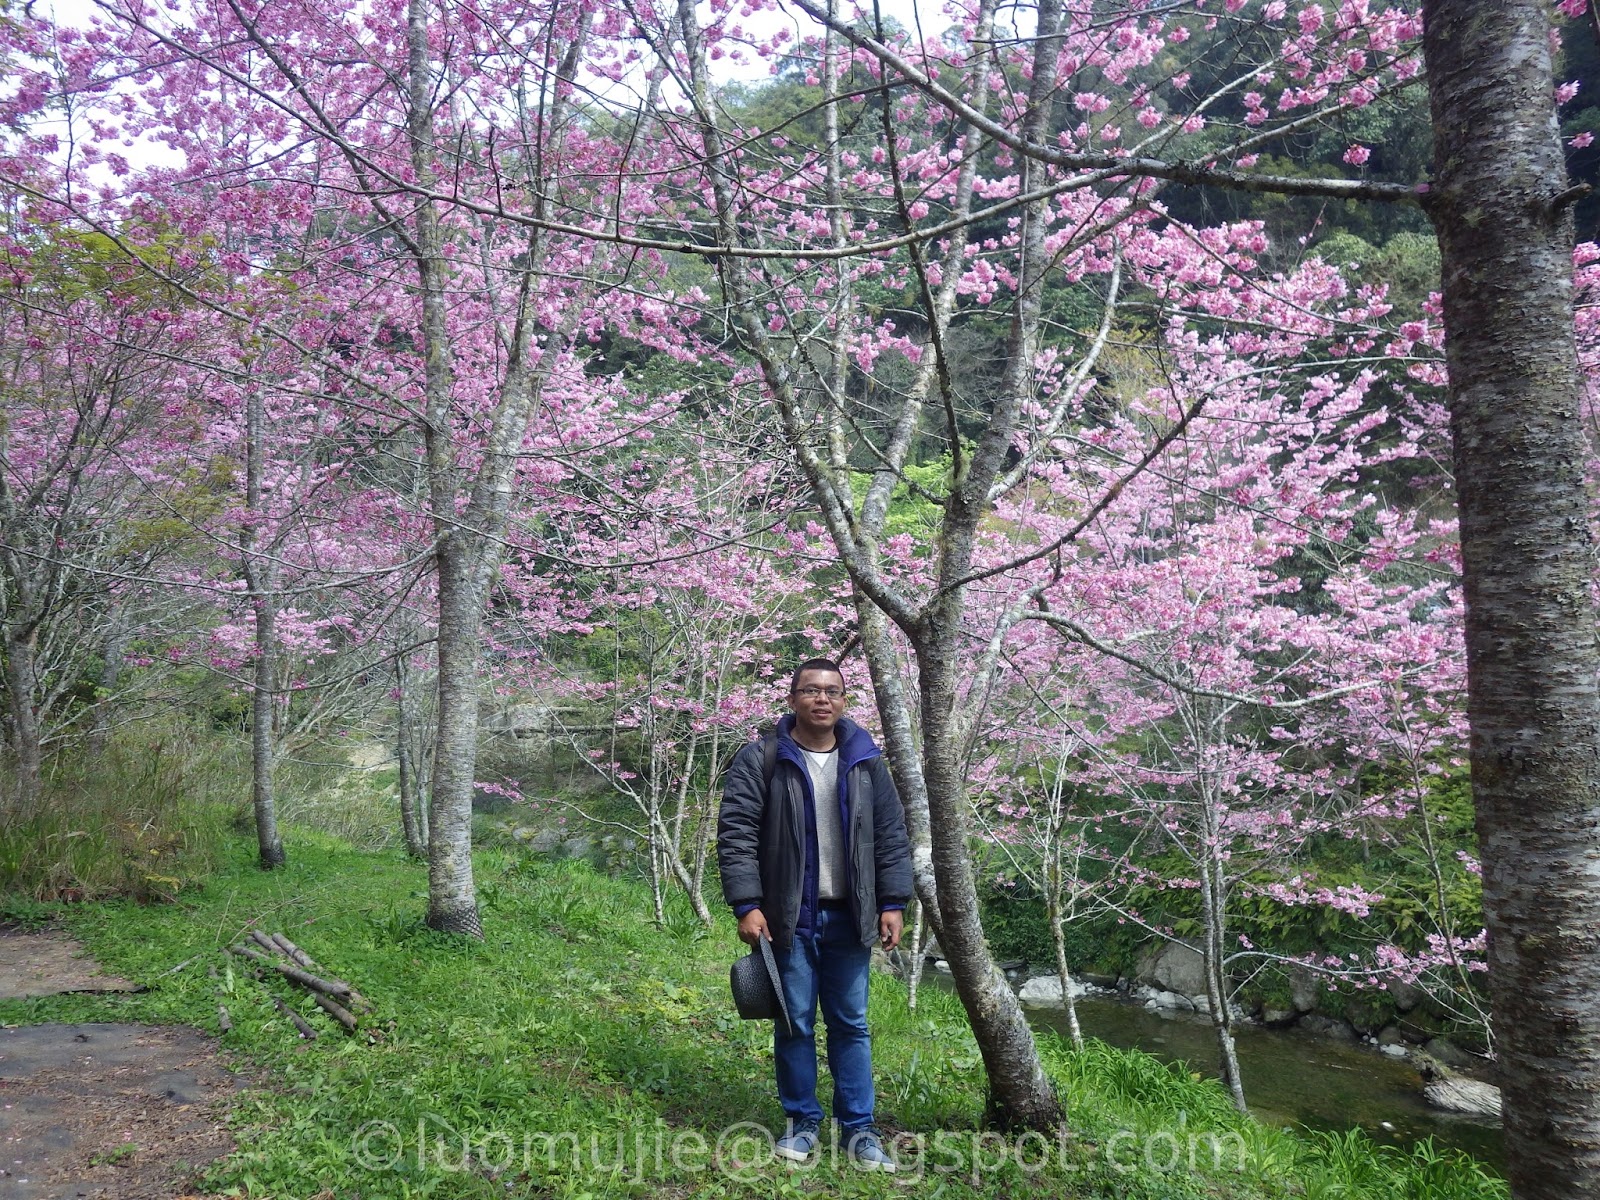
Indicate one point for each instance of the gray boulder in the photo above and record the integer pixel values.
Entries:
(547, 839)
(1419, 1025)
(1406, 996)
(1044, 991)
(1278, 1018)
(1174, 967)
(581, 846)
(1156, 999)
(1367, 1012)
(1305, 990)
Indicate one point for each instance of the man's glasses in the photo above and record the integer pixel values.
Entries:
(811, 693)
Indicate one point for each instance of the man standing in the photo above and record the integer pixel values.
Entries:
(812, 847)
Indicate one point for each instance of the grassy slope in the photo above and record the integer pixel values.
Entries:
(577, 1016)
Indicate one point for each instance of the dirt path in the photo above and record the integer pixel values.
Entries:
(47, 963)
(111, 1112)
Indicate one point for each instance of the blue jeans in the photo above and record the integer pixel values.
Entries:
(831, 966)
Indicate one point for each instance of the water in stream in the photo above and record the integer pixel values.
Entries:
(1291, 1078)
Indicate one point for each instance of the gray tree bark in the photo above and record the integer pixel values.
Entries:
(1505, 236)
(413, 784)
(452, 896)
(260, 576)
(1214, 919)
(468, 540)
(1020, 1093)
(22, 722)
(263, 794)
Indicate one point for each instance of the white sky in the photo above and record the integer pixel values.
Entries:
(929, 15)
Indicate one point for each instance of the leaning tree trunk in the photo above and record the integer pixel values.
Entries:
(1020, 1094)
(1499, 204)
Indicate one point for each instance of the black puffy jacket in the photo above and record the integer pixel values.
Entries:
(767, 839)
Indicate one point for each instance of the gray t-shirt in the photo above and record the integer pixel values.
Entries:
(824, 772)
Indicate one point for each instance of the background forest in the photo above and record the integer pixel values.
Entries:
(439, 426)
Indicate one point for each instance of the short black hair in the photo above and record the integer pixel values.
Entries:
(814, 664)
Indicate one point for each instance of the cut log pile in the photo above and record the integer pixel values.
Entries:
(273, 953)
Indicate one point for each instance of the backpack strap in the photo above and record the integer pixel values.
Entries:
(769, 759)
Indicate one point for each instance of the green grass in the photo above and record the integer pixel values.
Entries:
(580, 1051)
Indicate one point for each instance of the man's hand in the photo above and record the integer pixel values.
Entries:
(753, 925)
(889, 926)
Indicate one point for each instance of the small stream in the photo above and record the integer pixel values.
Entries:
(1290, 1078)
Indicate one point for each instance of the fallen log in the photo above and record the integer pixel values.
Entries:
(328, 987)
(180, 966)
(306, 1032)
(263, 941)
(357, 1000)
(300, 957)
(336, 1010)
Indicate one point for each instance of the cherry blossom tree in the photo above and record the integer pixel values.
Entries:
(368, 163)
(689, 585)
(487, 193)
(85, 494)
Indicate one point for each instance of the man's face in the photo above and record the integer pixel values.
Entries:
(815, 710)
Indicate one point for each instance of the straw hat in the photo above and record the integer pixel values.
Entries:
(757, 991)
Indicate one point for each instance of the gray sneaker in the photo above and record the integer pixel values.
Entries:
(866, 1151)
(799, 1143)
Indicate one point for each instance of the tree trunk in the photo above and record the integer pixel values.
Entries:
(1505, 240)
(900, 745)
(919, 942)
(1214, 918)
(21, 678)
(261, 578)
(1058, 943)
(263, 798)
(452, 897)
(1020, 1094)
(468, 539)
(413, 821)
